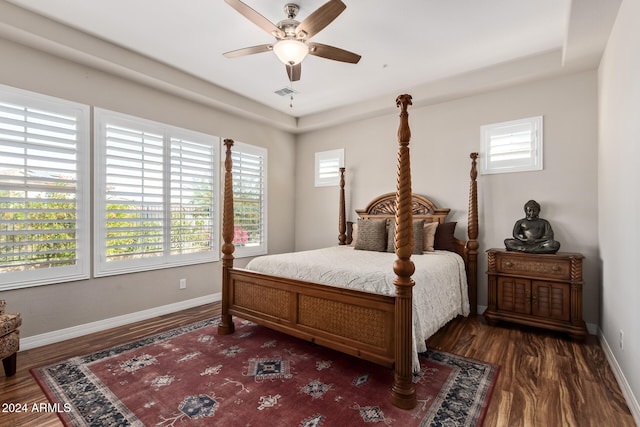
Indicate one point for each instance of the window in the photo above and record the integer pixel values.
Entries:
(327, 167)
(249, 199)
(155, 195)
(513, 146)
(44, 206)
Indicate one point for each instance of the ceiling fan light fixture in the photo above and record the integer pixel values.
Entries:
(290, 52)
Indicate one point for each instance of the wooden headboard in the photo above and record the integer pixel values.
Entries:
(384, 206)
(421, 208)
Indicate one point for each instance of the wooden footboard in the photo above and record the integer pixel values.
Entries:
(350, 321)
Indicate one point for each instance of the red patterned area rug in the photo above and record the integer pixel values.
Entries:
(191, 376)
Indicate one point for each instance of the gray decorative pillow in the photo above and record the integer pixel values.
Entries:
(418, 237)
(372, 235)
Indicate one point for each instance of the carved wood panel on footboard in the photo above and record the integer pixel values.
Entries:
(350, 321)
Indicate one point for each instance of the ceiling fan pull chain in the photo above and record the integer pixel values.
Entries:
(291, 96)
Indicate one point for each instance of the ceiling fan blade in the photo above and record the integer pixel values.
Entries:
(334, 53)
(319, 19)
(249, 51)
(294, 72)
(256, 18)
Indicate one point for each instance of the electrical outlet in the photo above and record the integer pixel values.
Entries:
(183, 283)
(621, 340)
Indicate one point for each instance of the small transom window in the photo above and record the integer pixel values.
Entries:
(513, 146)
(327, 167)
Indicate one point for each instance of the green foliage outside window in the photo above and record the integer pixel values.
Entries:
(37, 232)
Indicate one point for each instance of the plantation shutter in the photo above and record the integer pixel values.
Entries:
(43, 160)
(327, 167)
(155, 188)
(134, 190)
(249, 199)
(512, 146)
(192, 190)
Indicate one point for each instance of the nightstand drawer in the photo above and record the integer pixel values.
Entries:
(535, 266)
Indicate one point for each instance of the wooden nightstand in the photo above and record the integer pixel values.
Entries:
(540, 290)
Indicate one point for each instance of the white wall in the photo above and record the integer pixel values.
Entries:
(54, 307)
(443, 135)
(618, 193)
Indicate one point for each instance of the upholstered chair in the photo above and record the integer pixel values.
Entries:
(9, 339)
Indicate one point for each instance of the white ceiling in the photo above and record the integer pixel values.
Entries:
(406, 45)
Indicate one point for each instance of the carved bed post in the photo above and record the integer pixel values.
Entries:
(403, 393)
(226, 322)
(342, 222)
(472, 234)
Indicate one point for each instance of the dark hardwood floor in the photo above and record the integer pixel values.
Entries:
(545, 379)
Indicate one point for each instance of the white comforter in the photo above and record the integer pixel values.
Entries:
(440, 293)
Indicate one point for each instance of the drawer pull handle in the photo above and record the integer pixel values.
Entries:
(555, 268)
(508, 264)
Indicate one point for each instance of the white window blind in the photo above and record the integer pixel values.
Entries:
(249, 199)
(134, 192)
(513, 146)
(43, 189)
(192, 188)
(154, 196)
(327, 167)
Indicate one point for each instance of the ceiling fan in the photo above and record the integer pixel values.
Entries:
(291, 44)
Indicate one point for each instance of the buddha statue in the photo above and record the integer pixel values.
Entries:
(532, 234)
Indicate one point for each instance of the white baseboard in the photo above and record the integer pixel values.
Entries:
(101, 325)
(632, 402)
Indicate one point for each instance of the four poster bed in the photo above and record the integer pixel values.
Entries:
(377, 324)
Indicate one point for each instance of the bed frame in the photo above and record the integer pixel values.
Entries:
(373, 327)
